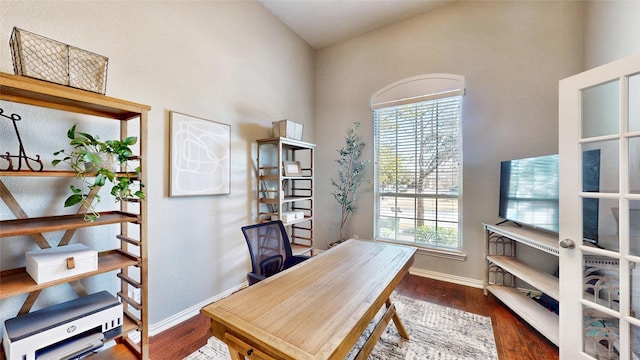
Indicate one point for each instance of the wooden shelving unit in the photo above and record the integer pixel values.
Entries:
(503, 268)
(129, 258)
(278, 193)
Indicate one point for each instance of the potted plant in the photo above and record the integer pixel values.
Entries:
(350, 172)
(93, 158)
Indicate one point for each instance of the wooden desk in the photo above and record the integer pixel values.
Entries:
(316, 310)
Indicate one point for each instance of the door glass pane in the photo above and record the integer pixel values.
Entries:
(601, 334)
(635, 293)
(600, 223)
(601, 282)
(634, 103)
(634, 228)
(600, 109)
(600, 172)
(634, 165)
(635, 342)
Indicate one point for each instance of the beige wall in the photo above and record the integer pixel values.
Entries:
(512, 55)
(612, 31)
(231, 62)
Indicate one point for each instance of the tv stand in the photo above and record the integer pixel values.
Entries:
(503, 268)
(508, 221)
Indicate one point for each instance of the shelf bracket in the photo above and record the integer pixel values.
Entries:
(29, 301)
(19, 213)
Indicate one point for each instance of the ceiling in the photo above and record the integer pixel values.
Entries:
(325, 22)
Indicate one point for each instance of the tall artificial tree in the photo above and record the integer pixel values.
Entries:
(350, 175)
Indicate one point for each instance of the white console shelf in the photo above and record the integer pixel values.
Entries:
(504, 267)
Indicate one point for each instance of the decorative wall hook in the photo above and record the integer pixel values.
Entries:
(22, 154)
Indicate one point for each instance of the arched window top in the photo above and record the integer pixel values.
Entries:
(418, 88)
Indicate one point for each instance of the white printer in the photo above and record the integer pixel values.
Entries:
(64, 331)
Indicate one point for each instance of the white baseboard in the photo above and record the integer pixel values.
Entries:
(187, 314)
(447, 277)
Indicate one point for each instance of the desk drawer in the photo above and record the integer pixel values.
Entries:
(244, 349)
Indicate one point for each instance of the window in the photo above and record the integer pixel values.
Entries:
(418, 168)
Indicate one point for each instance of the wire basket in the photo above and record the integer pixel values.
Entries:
(42, 58)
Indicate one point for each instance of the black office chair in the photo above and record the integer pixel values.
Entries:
(270, 250)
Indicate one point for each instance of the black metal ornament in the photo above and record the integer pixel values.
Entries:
(22, 154)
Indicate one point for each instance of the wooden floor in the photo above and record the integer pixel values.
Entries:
(514, 338)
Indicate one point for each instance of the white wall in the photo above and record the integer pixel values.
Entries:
(512, 55)
(231, 62)
(612, 31)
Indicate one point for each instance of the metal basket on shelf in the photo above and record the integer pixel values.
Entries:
(46, 59)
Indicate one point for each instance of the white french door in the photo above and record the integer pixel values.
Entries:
(600, 212)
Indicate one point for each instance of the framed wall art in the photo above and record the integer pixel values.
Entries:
(200, 156)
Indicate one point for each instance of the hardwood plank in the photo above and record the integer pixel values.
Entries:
(539, 317)
(515, 339)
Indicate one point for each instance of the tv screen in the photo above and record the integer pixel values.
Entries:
(529, 192)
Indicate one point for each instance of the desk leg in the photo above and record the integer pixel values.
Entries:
(390, 314)
(235, 354)
(396, 320)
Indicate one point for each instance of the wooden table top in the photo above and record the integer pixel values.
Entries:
(318, 309)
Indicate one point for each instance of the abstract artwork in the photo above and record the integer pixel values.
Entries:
(200, 158)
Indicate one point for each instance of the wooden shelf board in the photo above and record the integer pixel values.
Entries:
(129, 325)
(544, 282)
(285, 200)
(301, 249)
(56, 173)
(29, 91)
(296, 198)
(17, 281)
(43, 173)
(306, 218)
(543, 320)
(116, 352)
(65, 222)
(289, 143)
(540, 240)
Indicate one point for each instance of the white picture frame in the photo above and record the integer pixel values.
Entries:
(200, 156)
(291, 168)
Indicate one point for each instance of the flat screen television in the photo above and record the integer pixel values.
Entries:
(529, 192)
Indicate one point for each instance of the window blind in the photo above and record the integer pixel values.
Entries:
(418, 172)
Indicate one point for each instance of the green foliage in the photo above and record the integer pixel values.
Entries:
(85, 160)
(350, 172)
(441, 236)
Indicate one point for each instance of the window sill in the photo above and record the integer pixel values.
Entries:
(441, 253)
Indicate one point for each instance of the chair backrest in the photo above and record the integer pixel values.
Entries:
(268, 245)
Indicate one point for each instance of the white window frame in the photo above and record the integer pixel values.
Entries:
(412, 90)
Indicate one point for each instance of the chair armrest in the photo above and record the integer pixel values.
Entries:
(254, 278)
(295, 260)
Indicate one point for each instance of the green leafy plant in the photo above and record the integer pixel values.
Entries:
(91, 160)
(350, 175)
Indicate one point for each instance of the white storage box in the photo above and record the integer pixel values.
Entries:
(288, 216)
(287, 128)
(57, 263)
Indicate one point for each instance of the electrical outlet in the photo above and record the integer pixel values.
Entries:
(137, 295)
(134, 294)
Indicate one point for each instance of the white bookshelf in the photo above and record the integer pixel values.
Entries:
(503, 268)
